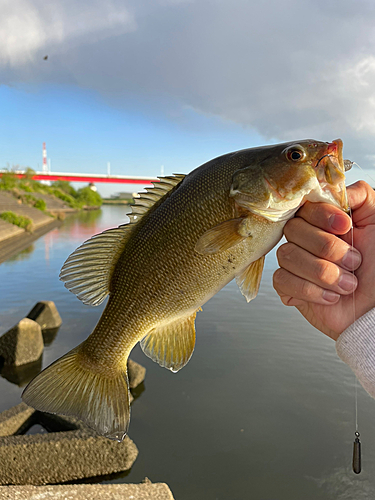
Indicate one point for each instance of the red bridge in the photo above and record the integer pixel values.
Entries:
(64, 176)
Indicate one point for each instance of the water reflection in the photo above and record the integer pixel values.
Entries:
(23, 374)
(49, 335)
(40, 423)
(137, 391)
(339, 484)
(25, 254)
(83, 223)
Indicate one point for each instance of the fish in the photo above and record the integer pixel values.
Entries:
(188, 236)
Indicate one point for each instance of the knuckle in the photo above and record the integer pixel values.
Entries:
(307, 290)
(281, 281)
(308, 211)
(328, 248)
(277, 278)
(362, 185)
(285, 252)
(325, 272)
(292, 226)
(285, 299)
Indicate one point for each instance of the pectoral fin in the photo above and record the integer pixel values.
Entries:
(172, 345)
(223, 236)
(249, 280)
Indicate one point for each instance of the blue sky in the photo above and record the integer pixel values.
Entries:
(82, 133)
(177, 82)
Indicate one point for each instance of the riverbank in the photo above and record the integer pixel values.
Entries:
(14, 239)
(13, 242)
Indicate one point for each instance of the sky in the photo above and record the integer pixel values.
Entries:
(146, 84)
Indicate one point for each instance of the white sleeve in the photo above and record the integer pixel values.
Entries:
(356, 347)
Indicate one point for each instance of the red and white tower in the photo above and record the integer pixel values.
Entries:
(45, 166)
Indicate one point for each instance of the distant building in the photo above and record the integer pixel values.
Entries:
(124, 196)
(92, 186)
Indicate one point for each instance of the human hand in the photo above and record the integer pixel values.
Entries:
(316, 263)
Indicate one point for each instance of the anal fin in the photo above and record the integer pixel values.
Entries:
(249, 280)
(171, 345)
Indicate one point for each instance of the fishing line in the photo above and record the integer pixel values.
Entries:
(364, 171)
(356, 464)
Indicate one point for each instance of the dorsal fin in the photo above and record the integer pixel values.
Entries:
(153, 196)
(87, 272)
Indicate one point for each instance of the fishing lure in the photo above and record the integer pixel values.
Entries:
(357, 454)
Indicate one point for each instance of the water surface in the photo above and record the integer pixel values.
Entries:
(264, 410)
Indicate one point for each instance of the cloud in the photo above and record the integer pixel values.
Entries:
(27, 27)
(287, 69)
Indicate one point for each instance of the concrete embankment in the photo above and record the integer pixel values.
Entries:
(14, 239)
(144, 491)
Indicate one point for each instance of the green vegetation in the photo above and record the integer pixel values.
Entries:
(65, 187)
(40, 205)
(89, 197)
(84, 197)
(8, 181)
(17, 220)
(65, 197)
(29, 199)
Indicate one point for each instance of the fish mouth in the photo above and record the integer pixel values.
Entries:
(330, 172)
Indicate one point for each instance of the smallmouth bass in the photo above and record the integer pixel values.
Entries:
(187, 238)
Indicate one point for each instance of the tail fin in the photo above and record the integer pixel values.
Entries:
(68, 387)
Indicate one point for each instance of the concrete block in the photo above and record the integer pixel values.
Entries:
(14, 419)
(45, 314)
(136, 374)
(22, 344)
(69, 451)
(143, 491)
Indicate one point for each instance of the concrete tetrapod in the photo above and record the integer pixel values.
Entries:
(69, 451)
(143, 491)
(22, 344)
(45, 314)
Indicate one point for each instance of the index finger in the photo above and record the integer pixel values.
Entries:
(326, 217)
(361, 198)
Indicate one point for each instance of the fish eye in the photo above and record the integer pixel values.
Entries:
(295, 154)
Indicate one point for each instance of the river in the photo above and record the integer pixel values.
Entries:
(264, 410)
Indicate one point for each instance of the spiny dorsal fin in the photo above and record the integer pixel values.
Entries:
(153, 195)
(249, 280)
(87, 272)
(171, 345)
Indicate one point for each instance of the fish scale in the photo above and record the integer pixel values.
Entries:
(187, 239)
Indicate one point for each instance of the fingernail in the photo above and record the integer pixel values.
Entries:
(330, 296)
(338, 222)
(348, 282)
(352, 259)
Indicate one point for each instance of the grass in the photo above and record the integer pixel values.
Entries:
(17, 220)
(40, 205)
